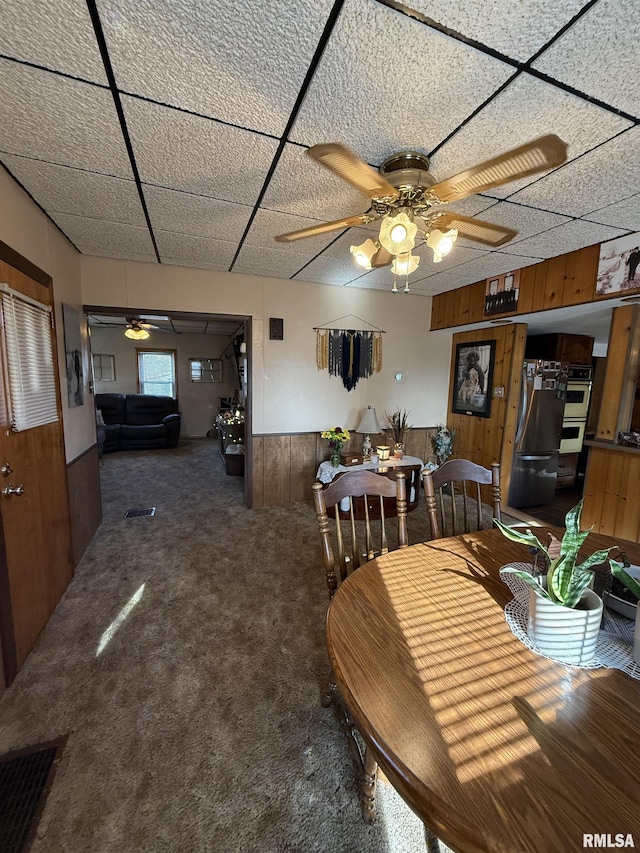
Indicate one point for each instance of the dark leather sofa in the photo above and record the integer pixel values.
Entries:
(137, 422)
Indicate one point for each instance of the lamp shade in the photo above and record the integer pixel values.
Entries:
(369, 422)
(136, 334)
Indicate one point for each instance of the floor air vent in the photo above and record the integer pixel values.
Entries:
(25, 779)
(139, 513)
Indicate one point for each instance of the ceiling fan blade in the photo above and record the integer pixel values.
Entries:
(348, 166)
(540, 154)
(472, 228)
(323, 227)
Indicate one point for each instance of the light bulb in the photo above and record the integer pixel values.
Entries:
(398, 233)
(441, 243)
(364, 252)
(405, 264)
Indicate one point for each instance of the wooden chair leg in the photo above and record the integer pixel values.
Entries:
(433, 845)
(369, 779)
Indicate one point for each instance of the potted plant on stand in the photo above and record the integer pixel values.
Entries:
(398, 425)
(564, 614)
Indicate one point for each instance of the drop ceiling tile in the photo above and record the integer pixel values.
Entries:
(243, 63)
(185, 152)
(598, 55)
(269, 223)
(621, 214)
(120, 254)
(439, 283)
(56, 35)
(325, 270)
(258, 260)
(386, 83)
(601, 177)
(92, 235)
(526, 109)
(380, 279)
(60, 120)
(186, 213)
(187, 249)
(60, 189)
(575, 234)
(458, 255)
(514, 29)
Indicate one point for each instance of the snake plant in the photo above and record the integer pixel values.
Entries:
(566, 581)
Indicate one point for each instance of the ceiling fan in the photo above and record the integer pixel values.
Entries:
(137, 330)
(403, 193)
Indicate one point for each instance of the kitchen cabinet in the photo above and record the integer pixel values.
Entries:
(567, 467)
(573, 349)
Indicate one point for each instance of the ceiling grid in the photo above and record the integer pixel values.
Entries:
(175, 131)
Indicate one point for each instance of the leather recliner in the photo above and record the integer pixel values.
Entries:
(137, 422)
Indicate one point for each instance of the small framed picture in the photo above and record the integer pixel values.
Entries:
(473, 380)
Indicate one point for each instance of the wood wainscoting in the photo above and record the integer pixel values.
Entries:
(83, 478)
(285, 465)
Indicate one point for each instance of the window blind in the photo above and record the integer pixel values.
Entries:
(28, 355)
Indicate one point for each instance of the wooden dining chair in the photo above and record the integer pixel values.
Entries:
(356, 542)
(454, 497)
(356, 501)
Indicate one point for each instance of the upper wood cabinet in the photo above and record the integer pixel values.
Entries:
(574, 349)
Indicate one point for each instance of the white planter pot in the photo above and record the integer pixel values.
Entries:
(636, 637)
(566, 634)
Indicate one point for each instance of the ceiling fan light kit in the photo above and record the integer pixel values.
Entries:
(403, 191)
(136, 334)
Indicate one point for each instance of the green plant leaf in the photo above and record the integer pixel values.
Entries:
(625, 578)
(596, 559)
(559, 578)
(579, 582)
(527, 538)
(527, 578)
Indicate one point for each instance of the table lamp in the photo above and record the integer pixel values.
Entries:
(368, 424)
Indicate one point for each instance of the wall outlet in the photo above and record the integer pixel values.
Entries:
(498, 391)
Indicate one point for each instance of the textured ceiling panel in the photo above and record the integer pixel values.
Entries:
(378, 106)
(526, 109)
(186, 249)
(460, 254)
(60, 120)
(237, 62)
(268, 223)
(527, 221)
(593, 181)
(495, 263)
(60, 189)
(186, 213)
(622, 214)
(330, 271)
(56, 35)
(517, 30)
(599, 55)
(90, 235)
(257, 260)
(565, 238)
(195, 154)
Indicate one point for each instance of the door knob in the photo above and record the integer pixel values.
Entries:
(6, 469)
(13, 490)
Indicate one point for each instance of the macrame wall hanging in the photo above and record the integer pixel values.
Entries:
(349, 353)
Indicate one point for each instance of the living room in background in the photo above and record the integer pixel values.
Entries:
(104, 367)
(157, 372)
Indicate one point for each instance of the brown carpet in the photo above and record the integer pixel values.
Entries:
(185, 663)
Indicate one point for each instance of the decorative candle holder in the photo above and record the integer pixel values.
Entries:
(383, 451)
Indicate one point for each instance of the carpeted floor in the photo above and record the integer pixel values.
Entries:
(185, 663)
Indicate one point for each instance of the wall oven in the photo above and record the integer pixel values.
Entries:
(572, 436)
(578, 393)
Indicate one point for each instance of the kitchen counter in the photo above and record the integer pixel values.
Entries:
(604, 444)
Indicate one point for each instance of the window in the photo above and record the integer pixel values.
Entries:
(157, 372)
(205, 369)
(104, 368)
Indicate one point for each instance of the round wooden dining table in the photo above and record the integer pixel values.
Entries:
(493, 746)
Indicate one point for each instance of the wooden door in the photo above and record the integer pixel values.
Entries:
(35, 539)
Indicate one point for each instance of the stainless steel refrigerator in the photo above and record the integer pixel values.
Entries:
(538, 433)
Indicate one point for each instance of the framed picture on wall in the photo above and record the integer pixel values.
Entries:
(473, 379)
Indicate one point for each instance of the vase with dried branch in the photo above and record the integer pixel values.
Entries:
(398, 425)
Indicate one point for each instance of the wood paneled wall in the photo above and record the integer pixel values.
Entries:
(487, 440)
(285, 466)
(609, 492)
(83, 478)
(566, 280)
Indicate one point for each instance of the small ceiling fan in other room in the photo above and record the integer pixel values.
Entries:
(404, 195)
(137, 330)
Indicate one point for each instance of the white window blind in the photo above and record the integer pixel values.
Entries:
(29, 360)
